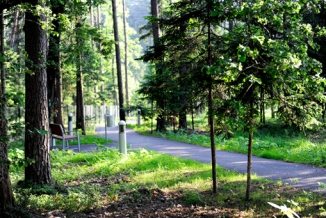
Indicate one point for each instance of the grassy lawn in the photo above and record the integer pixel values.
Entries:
(149, 184)
(154, 185)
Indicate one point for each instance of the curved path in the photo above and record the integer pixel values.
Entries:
(296, 175)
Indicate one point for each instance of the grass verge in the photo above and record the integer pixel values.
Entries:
(150, 184)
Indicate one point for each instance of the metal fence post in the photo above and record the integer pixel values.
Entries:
(70, 129)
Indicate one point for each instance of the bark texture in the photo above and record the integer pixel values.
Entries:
(160, 121)
(126, 56)
(54, 70)
(118, 61)
(37, 141)
(80, 115)
(6, 194)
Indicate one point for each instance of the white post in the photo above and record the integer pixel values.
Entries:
(139, 111)
(70, 130)
(122, 137)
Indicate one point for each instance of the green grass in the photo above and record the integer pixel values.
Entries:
(88, 139)
(86, 182)
(89, 181)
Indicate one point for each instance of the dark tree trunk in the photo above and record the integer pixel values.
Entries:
(80, 118)
(118, 61)
(192, 116)
(54, 70)
(6, 194)
(183, 98)
(272, 105)
(126, 57)
(249, 166)
(210, 103)
(262, 106)
(160, 121)
(115, 94)
(251, 121)
(80, 115)
(37, 141)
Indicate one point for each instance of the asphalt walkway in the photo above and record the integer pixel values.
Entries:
(296, 175)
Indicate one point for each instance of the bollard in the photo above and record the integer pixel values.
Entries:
(70, 130)
(139, 111)
(122, 137)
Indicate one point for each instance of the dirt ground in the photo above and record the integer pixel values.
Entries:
(150, 203)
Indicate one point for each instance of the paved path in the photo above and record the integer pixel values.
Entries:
(296, 175)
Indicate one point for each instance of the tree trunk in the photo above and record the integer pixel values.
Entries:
(115, 94)
(118, 61)
(126, 56)
(262, 106)
(160, 121)
(91, 23)
(183, 99)
(100, 47)
(6, 194)
(54, 70)
(210, 104)
(249, 166)
(80, 116)
(272, 105)
(14, 32)
(192, 116)
(251, 117)
(37, 139)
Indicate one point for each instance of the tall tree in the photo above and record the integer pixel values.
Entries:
(160, 123)
(210, 98)
(37, 139)
(14, 32)
(54, 66)
(126, 54)
(6, 194)
(118, 61)
(80, 113)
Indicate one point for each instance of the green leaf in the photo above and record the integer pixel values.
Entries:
(243, 58)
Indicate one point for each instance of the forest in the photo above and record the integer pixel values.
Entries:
(231, 62)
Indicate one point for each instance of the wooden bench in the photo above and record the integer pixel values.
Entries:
(58, 132)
